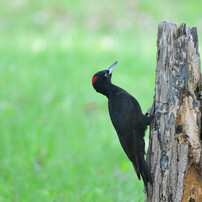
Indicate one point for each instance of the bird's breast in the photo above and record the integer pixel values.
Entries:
(121, 120)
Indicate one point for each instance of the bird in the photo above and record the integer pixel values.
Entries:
(128, 120)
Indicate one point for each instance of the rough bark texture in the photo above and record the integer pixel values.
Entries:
(174, 153)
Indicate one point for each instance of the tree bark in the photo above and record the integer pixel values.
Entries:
(174, 153)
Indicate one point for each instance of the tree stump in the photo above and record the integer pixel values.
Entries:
(174, 153)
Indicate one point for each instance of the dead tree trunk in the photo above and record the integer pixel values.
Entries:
(174, 153)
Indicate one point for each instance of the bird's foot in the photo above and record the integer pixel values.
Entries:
(148, 113)
(158, 111)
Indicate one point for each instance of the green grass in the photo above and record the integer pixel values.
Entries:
(57, 142)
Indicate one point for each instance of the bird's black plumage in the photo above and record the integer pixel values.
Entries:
(127, 119)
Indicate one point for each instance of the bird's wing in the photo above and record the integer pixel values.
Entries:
(130, 144)
(126, 120)
(123, 112)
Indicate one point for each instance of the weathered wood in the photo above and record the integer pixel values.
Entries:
(174, 152)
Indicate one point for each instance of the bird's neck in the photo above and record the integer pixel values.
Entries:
(112, 90)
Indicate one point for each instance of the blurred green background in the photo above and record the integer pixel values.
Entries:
(56, 139)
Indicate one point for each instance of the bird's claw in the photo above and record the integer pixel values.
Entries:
(158, 111)
(148, 113)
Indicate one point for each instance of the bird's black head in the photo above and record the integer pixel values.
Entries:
(102, 80)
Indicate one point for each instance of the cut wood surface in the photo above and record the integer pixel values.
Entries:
(174, 153)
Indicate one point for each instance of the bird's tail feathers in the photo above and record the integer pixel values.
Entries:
(144, 171)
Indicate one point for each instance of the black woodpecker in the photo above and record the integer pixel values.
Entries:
(128, 121)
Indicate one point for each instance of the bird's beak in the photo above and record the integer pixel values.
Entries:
(111, 68)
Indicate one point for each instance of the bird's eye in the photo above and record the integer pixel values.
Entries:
(105, 74)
